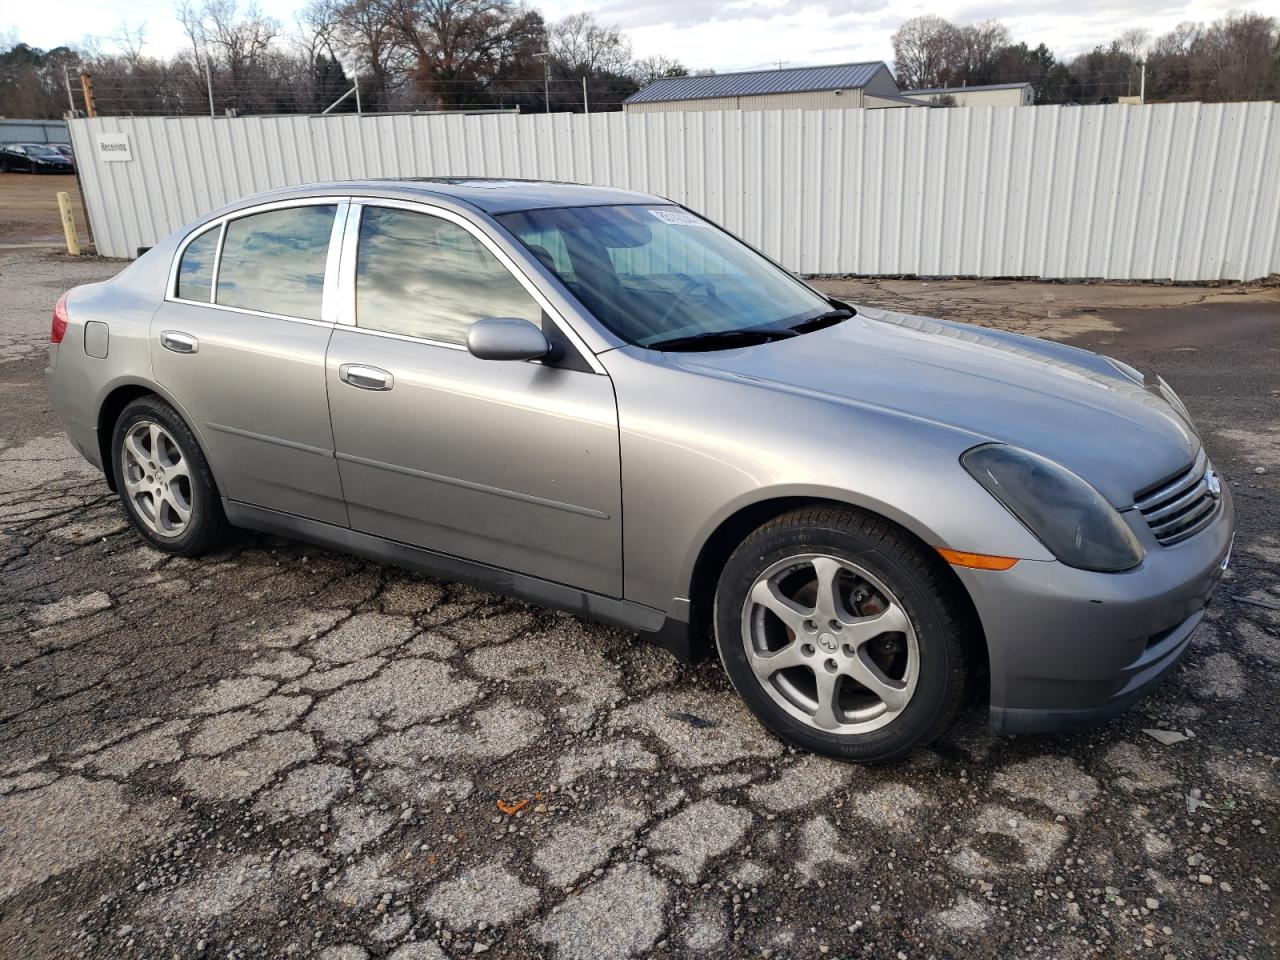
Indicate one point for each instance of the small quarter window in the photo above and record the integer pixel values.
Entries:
(423, 276)
(195, 271)
(274, 261)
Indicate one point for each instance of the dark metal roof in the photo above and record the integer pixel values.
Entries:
(842, 76)
(985, 86)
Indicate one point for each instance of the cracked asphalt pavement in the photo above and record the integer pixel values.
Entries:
(282, 751)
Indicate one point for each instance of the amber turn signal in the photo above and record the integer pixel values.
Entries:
(978, 561)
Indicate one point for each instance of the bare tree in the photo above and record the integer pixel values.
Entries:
(1235, 58)
(583, 46)
(130, 40)
(973, 55)
(31, 80)
(242, 42)
(359, 33)
(649, 69)
(1238, 58)
(460, 47)
(921, 47)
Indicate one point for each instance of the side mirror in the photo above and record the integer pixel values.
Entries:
(506, 338)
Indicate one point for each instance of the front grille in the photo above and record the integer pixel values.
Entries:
(1181, 507)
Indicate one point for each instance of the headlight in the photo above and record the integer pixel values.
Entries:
(1063, 512)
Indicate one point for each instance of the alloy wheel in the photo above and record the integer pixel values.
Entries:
(830, 643)
(156, 478)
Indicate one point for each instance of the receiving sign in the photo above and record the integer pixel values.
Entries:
(114, 147)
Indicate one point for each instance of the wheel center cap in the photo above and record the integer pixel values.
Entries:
(828, 642)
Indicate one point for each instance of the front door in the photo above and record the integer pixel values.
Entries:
(512, 464)
(243, 354)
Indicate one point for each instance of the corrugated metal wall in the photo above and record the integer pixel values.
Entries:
(33, 131)
(1176, 191)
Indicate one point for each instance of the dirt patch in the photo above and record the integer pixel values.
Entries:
(1054, 311)
(29, 209)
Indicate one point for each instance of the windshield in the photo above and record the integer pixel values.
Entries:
(654, 274)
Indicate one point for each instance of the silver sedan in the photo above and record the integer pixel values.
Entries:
(599, 401)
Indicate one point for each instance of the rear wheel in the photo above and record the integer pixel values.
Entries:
(840, 635)
(164, 480)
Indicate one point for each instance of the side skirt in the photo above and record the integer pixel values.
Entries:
(653, 625)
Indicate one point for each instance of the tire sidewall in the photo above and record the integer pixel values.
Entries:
(923, 607)
(204, 494)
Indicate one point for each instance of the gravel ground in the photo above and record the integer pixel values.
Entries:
(281, 751)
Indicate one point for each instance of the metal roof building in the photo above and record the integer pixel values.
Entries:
(845, 85)
(33, 131)
(983, 95)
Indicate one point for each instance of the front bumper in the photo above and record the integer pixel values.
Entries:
(1069, 648)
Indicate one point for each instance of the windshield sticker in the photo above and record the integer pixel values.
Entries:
(679, 218)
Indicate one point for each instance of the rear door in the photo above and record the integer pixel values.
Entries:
(512, 464)
(240, 343)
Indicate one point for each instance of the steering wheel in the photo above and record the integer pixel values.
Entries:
(690, 285)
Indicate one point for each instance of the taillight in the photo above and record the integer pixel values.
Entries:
(58, 329)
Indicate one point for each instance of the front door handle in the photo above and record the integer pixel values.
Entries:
(179, 342)
(365, 377)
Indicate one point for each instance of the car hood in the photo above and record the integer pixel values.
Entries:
(1061, 402)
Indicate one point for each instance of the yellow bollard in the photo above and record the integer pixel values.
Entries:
(68, 223)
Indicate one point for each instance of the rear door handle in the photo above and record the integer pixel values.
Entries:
(365, 377)
(179, 342)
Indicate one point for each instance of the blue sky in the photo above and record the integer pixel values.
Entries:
(722, 34)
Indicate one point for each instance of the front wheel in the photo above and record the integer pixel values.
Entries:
(841, 635)
(164, 480)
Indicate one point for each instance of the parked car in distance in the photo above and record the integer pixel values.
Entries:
(600, 401)
(34, 158)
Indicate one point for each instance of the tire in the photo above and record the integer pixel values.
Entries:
(156, 482)
(880, 578)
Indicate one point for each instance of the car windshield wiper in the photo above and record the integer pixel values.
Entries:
(721, 339)
(828, 319)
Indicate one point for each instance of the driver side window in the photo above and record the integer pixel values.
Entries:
(423, 276)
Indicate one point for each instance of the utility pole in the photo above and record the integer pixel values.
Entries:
(71, 100)
(208, 83)
(1142, 88)
(86, 85)
(586, 107)
(355, 77)
(545, 57)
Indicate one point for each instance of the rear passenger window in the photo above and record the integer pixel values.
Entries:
(274, 261)
(195, 271)
(423, 276)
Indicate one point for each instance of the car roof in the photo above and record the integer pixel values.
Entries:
(491, 195)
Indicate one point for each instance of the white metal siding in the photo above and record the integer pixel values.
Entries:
(683, 106)
(850, 99)
(813, 100)
(1167, 192)
(1006, 97)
